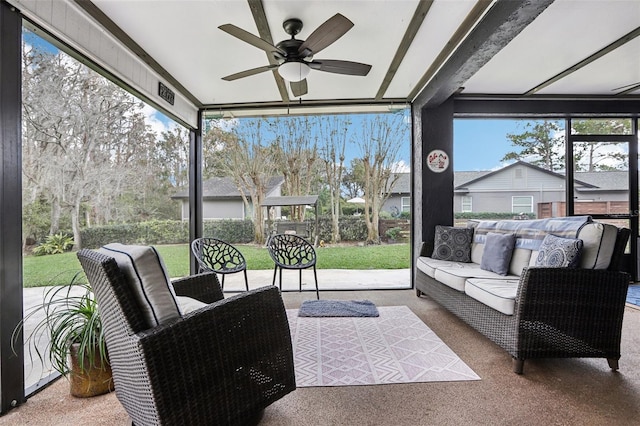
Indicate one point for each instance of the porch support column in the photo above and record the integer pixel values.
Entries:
(195, 189)
(11, 364)
(437, 186)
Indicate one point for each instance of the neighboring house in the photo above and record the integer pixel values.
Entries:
(400, 198)
(221, 199)
(524, 188)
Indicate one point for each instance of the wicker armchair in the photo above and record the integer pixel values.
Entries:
(214, 255)
(290, 251)
(220, 364)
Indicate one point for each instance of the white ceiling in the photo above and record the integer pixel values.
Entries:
(182, 36)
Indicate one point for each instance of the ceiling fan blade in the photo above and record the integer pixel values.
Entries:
(340, 67)
(247, 37)
(250, 72)
(299, 88)
(331, 30)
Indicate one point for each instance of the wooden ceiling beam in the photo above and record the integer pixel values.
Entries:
(504, 20)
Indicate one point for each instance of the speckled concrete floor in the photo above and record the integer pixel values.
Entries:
(551, 392)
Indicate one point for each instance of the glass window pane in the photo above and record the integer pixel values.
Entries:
(601, 126)
(467, 204)
(522, 204)
(601, 178)
(507, 167)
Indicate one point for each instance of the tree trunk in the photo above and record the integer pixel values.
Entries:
(55, 215)
(75, 225)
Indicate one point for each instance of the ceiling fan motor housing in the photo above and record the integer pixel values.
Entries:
(291, 46)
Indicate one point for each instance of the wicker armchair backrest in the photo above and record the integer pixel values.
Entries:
(113, 293)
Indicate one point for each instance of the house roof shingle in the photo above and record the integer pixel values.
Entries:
(587, 181)
(224, 187)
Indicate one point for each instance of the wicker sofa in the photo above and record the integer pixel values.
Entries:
(537, 312)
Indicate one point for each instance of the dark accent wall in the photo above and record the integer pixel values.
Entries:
(437, 188)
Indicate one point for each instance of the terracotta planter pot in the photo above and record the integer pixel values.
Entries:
(93, 380)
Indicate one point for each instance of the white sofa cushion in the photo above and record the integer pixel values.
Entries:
(456, 276)
(145, 271)
(599, 240)
(497, 294)
(429, 265)
(477, 250)
(519, 260)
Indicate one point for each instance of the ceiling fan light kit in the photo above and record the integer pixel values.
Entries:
(295, 57)
(294, 71)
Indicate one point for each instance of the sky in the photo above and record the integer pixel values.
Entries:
(479, 144)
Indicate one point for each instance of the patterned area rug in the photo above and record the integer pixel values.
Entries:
(396, 347)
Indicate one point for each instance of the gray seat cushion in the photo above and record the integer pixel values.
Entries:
(148, 277)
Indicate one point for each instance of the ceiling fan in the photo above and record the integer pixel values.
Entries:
(295, 57)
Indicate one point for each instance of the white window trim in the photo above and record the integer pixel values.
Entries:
(519, 207)
(405, 202)
(468, 198)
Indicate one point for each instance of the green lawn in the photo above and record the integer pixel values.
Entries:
(58, 269)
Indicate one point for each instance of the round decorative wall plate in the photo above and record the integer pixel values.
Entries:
(438, 161)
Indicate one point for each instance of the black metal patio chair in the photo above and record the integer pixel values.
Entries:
(292, 252)
(215, 255)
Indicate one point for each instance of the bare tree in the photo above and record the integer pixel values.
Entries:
(332, 134)
(251, 164)
(296, 155)
(379, 138)
(82, 136)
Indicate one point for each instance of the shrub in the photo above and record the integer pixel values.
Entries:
(166, 232)
(54, 244)
(393, 233)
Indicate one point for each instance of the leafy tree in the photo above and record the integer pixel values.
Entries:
(214, 140)
(595, 156)
(353, 179)
(541, 143)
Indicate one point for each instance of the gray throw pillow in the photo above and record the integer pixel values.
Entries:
(452, 244)
(498, 249)
(558, 252)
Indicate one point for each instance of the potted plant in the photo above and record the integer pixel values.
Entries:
(76, 347)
